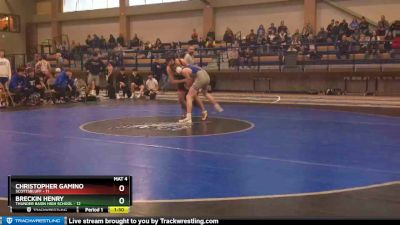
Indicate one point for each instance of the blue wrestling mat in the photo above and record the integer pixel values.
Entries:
(248, 150)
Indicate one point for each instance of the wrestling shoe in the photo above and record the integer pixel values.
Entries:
(204, 115)
(218, 108)
(186, 120)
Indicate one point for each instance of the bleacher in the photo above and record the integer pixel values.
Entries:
(214, 59)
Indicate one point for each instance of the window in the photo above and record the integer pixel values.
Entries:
(9, 23)
(148, 2)
(82, 5)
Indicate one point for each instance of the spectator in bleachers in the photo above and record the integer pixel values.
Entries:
(343, 28)
(194, 38)
(364, 26)
(251, 38)
(307, 30)
(19, 86)
(103, 42)
(5, 70)
(95, 67)
(383, 26)
(374, 44)
(151, 87)
(137, 84)
(36, 58)
(329, 28)
(233, 57)
(388, 41)
(202, 43)
(395, 28)
(158, 45)
(354, 26)
(210, 43)
(343, 47)
(335, 31)
(296, 34)
(189, 56)
(260, 34)
(211, 35)
(396, 44)
(272, 29)
(295, 45)
(283, 27)
(59, 60)
(95, 41)
(322, 36)
(117, 55)
(135, 42)
(112, 43)
(65, 87)
(89, 40)
(312, 49)
(273, 41)
(43, 65)
(229, 37)
(283, 39)
(246, 57)
(364, 43)
(121, 40)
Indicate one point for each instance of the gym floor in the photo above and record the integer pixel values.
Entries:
(265, 156)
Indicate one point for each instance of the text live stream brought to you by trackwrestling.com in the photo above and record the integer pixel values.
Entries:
(52, 220)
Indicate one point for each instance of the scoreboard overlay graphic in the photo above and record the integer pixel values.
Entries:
(88, 194)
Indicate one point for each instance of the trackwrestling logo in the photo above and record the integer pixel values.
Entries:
(34, 220)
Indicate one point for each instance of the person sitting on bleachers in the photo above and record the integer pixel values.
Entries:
(364, 43)
(395, 28)
(233, 57)
(322, 36)
(344, 28)
(194, 38)
(229, 37)
(283, 27)
(151, 87)
(383, 26)
(19, 86)
(65, 87)
(364, 26)
(251, 38)
(354, 26)
(373, 47)
(396, 46)
(121, 40)
(246, 57)
(112, 43)
(343, 48)
(89, 40)
(388, 41)
(135, 42)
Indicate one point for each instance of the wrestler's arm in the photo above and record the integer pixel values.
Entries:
(172, 79)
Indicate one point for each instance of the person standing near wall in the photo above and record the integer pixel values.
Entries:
(5, 69)
(94, 66)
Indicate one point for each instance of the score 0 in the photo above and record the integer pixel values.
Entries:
(121, 188)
